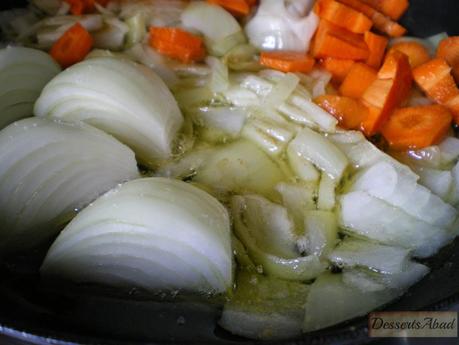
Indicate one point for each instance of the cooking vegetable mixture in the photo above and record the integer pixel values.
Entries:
(296, 157)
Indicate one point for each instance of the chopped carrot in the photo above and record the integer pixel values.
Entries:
(72, 46)
(238, 8)
(448, 49)
(391, 8)
(435, 79)
(287, 61)
(388, 90)
(79, 7)
(377, 46)
(453, 106)
(338, 68)
(417, 127)
(333, 41)
(429, 73)
(417, 53)
(359, 78)
(348, 111)
(443, 90)
(343, 16)
(380, 21)
(177, 44)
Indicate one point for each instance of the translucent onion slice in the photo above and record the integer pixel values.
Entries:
(268, 238)
(265, 307)
(50, 170)
(122, 98)
(152, 233)
(23, 74)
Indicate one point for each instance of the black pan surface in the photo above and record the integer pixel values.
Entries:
(31, 312)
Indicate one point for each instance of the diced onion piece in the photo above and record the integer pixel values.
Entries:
(112, 35)
(265, 308)
(373, 218)
(386, 182)
(449, 150)
(355, 252)
(137, 29)
(219, 81)
(281, 90)
(321, 233)
(23, 74)
(151, 233)
(50, 170)
(302, 167)
(326, 198)
(298, 198)
(325, 121)
(122, 98)
(250, 227)
(230, 120)
(331, 301)
(214, 23)
(321, 152)
(239, 167)
(269, 135)
(367, 281)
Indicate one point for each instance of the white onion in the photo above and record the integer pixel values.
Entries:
(373, 218)
(321, 152)
(124, 99)
(219, 28)
(153, 233)
(274, 28)
(23, 74)
(265, 307)
(49, 169)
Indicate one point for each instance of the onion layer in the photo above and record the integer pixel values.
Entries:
(50, 169)
(152, 233)
(119, 97)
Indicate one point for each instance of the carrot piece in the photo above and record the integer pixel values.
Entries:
(448, 49)
(430, 73)
(388, 90)
(380, 21)
(377, 46)
(359, 78)
(417, 127)
(238, 8)
(338, 68)
(287, 61)
(453, 106)
(348, 111)
(417, 53)
(443, 90)
(343, 16)
(391, 8)
(177, 44)
(333, 41)
(72, 46)
(79, 7)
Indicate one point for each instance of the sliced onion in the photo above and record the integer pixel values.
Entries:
(23, 74)
(385, 181)
(239, 167)
(331, 301)
(122, 98)
(215, 24)
(49, 170)
(273, 253)
(377, 220)
(265, 308)
(112, 35)
(321, 152)
(152, 233)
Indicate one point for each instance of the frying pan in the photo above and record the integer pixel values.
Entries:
(32, 312)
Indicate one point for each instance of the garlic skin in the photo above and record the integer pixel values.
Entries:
(282, 25)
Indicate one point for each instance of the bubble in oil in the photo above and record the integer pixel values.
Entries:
(181, 320)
